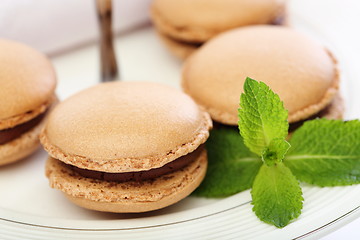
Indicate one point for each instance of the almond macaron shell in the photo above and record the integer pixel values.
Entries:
(335, 110)
(124, 127)
(296, 67)
(27, 81)
(131, 128)
(27, 85)
(199, 20)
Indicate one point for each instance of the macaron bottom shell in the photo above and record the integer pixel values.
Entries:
(20, 147)
(334, 110)
(126, 197)
(179, 49)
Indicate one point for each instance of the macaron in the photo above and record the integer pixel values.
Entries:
(27, 85)
(126, 146)
(184, 25)
(300, 70)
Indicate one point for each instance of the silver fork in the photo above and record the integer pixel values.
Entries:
(109, 69)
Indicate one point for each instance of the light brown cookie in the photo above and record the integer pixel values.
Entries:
(301, 71)
(197, 21)
(126, 128)
(27, 81)
(184, 26)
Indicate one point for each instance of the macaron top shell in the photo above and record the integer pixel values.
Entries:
(199, 20)
(125, 126)
(27, 81)
(301, 71)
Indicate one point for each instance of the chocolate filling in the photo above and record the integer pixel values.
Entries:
(10, 134)
(192, 44)
(173, 166)
(279, 20)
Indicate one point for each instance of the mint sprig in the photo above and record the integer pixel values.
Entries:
(276, 195)
(262, 116)
(232, 167)
(326, 153)
(323, 152)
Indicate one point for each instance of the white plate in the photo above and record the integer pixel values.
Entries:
(30, 209)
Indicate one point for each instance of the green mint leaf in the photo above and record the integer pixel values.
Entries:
(326, 152)
(275, 152)
(262, 116)
(232, 167)
(276, 195)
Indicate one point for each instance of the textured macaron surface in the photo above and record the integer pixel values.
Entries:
(198, 20)
(296, 67)
(27, 79)
(125, 126)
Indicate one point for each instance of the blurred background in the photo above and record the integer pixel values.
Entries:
(60, 25)
(56, 26)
